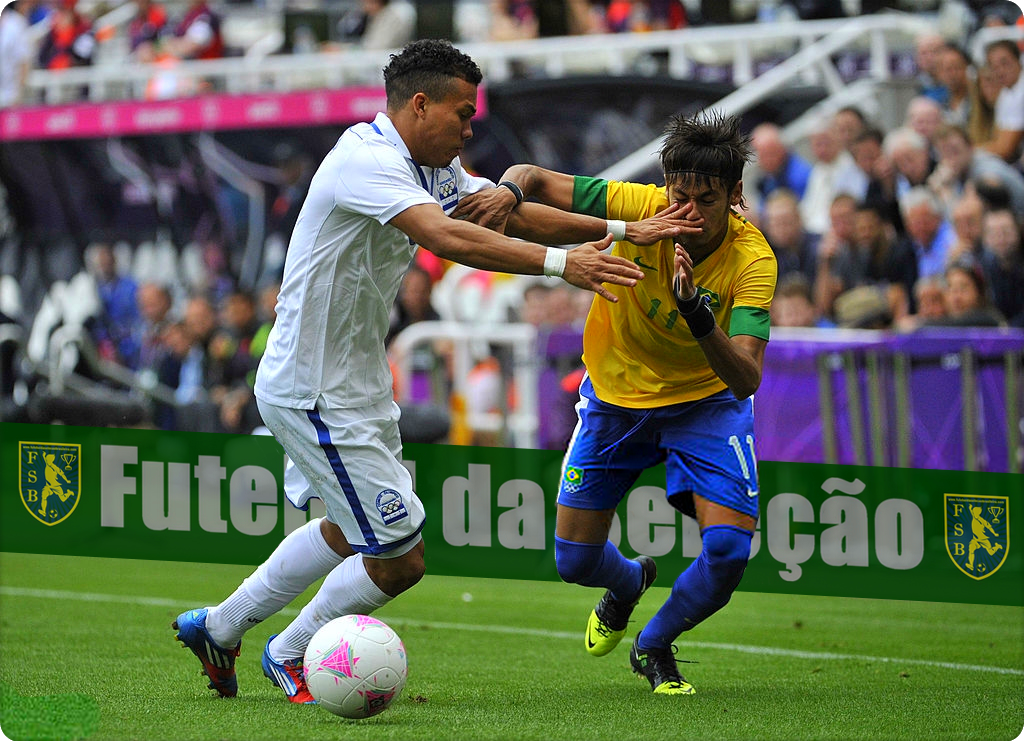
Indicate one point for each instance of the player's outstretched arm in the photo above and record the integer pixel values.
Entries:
(467, 243)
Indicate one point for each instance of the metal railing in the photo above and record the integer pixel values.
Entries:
(737, 46)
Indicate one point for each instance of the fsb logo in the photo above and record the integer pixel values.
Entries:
(49, 476)
(977, 533)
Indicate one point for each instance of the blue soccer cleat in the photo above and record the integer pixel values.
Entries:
(287, 675)
(218, 662)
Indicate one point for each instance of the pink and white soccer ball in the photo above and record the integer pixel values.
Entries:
(355, 666)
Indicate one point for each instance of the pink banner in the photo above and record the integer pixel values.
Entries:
(206, 113)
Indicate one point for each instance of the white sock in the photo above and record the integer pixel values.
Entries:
(348, 590)
(298, 561)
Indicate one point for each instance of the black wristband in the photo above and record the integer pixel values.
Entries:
(696, 312)
(688, 306)
(701, 322)
(516, 190)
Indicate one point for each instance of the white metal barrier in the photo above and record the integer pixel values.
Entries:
(608, 54)
(521, 423)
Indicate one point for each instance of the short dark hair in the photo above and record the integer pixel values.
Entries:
(1006, 44)
(427, 66)
(708, 147)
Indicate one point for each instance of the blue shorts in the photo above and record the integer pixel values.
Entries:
(707, 447)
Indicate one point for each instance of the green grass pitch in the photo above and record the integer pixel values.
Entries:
(86, 651)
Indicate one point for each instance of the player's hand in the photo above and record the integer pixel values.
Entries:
(587, 266)
(489, 208)
(669, 223)
(684, 287)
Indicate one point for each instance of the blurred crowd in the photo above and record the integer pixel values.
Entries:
(900, 228)
(918, 225)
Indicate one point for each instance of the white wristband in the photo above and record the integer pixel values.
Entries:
(554, 262)
(617, 228)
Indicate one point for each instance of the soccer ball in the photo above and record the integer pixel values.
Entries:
(355, 666)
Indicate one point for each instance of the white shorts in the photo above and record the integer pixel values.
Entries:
(350, 459)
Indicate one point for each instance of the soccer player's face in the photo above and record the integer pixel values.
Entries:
(448, 126)
(711, 202)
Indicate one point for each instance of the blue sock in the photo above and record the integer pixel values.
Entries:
(593, 565)
(704, 588)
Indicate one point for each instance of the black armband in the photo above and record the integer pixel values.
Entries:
(696, 312)
(516, 190)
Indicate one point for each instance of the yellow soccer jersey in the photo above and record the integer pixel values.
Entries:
(639, 353)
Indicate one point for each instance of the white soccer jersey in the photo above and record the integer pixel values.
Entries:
(344, 267)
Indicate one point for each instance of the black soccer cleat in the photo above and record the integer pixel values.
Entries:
(659, 667)
(607, 623)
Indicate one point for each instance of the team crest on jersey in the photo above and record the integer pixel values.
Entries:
(977, 533)
(714, 300)
(49, 476)
(391, 506)
(447, 188)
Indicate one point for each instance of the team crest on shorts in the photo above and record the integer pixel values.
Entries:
(572, 479)
(391, 506)
(49, 476)
(977, 533)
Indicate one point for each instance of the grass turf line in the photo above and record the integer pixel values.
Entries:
(484, 684)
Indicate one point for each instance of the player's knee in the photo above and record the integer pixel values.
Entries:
(396, 575)
(726, 550)
(576, 562)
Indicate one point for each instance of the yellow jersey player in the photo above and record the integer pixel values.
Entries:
(671, 370)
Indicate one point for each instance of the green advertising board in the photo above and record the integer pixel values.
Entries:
(854, 531)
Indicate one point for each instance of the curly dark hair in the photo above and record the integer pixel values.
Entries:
(427, 66)
(709, 147)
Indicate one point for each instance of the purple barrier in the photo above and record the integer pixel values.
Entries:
(872, 398)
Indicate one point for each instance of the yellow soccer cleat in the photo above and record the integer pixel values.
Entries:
(607, 623)
(659, 668)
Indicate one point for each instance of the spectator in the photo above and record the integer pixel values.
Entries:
(1003, 260)
(230, 345)
(833, 171)
(793, 306)
(512, 20)
(838, 239)
(930, 299)
(954, 74)
(778, 165)
(69, 42)
(928, 49)
(295, 171)
(871, 160)
(960, 162)
(181, 369)
(145, 28)
(112, 329)
(413, 303)
(197, 35)
(849, 123)
(967, 298)
(911, 156)
(794, 247)
(380, 24)
(147, 347)
(631, 16)
(15, 51)
(981, 121)
(925, 116)
(929, 234)
(1004, 58)
(874, 257)
(967, 217)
